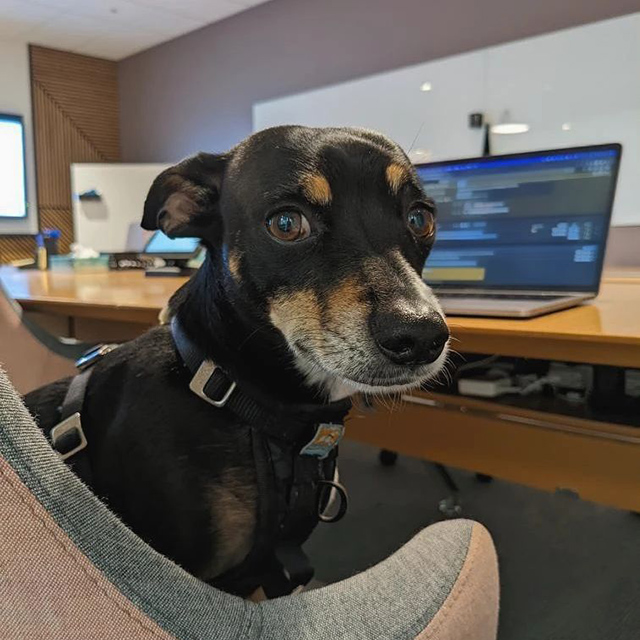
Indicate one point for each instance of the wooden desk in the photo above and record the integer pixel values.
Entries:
(600, 461)
(126, 296)
(106, 305)
(606, 331)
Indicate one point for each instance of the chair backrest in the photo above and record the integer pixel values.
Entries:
(71, 570)
(28, 362)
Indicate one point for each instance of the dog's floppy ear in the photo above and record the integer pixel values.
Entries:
(183, 200)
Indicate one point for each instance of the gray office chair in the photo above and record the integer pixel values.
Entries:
(32, 356)
(71, 570)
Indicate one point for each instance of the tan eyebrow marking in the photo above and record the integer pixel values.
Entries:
(316, 188)
(396, 175)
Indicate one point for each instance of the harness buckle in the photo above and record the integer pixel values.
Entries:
(201, 379)
(67, 437)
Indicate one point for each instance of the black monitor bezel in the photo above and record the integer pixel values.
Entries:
(591, 288)
(12, 117)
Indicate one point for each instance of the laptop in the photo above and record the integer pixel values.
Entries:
(175, 255)
(523, 234)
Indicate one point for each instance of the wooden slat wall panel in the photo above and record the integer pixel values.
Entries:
(16, 248)
(75, 119)
(86, 91)
(58, 143)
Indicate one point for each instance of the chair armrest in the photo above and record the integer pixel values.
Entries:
(70, 563)
(442, 585)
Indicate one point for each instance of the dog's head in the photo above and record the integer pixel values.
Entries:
(326, 232)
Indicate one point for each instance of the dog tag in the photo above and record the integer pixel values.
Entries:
(327, 437)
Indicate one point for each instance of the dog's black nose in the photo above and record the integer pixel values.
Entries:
(410, 341)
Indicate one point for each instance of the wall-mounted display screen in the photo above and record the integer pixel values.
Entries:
(13, 184)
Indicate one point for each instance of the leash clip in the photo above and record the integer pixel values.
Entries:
(67, 437)
(202, 378)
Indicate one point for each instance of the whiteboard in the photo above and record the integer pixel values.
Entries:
(573, 87)
(104, 224)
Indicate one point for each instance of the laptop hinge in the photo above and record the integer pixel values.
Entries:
(511, 292)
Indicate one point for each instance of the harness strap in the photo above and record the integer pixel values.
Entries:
(292, 473)
(295, 571)
(67, 437)
(297, 484)
(214, 386)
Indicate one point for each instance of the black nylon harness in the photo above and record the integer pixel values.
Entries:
(294, 453)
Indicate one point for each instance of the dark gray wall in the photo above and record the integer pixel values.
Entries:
(196, 92)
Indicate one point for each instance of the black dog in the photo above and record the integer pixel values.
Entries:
(310, 292)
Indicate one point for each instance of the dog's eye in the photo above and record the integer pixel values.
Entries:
(288, 226)
(421, 221)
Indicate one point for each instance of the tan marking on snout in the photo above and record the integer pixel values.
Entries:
(396, 175)
(333, 332)
(316, 188)
(346, 305)
(296, 313)
(233, 501)
(234, 265)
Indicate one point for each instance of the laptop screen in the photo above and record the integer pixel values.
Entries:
(523, 221)
(160, 244)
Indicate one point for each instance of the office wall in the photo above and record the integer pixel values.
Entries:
(568, 91)
(196, 92)
(15, 98)
(105, 224)
(75, 112)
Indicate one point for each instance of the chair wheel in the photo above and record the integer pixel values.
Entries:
(484, 478)
(387, 458)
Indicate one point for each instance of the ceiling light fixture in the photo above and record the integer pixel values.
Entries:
(566, 126)
(425, 86)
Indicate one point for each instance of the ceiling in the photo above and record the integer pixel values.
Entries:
(112, 29)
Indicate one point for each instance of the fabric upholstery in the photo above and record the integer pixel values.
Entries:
(35, 603)
(470, 610)
(69, 569)
(29, 363)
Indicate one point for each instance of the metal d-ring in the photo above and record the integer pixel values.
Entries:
(325, 485)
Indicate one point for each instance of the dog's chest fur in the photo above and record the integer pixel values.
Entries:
(233, 503)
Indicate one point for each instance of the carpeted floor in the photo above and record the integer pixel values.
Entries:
(569, 570)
